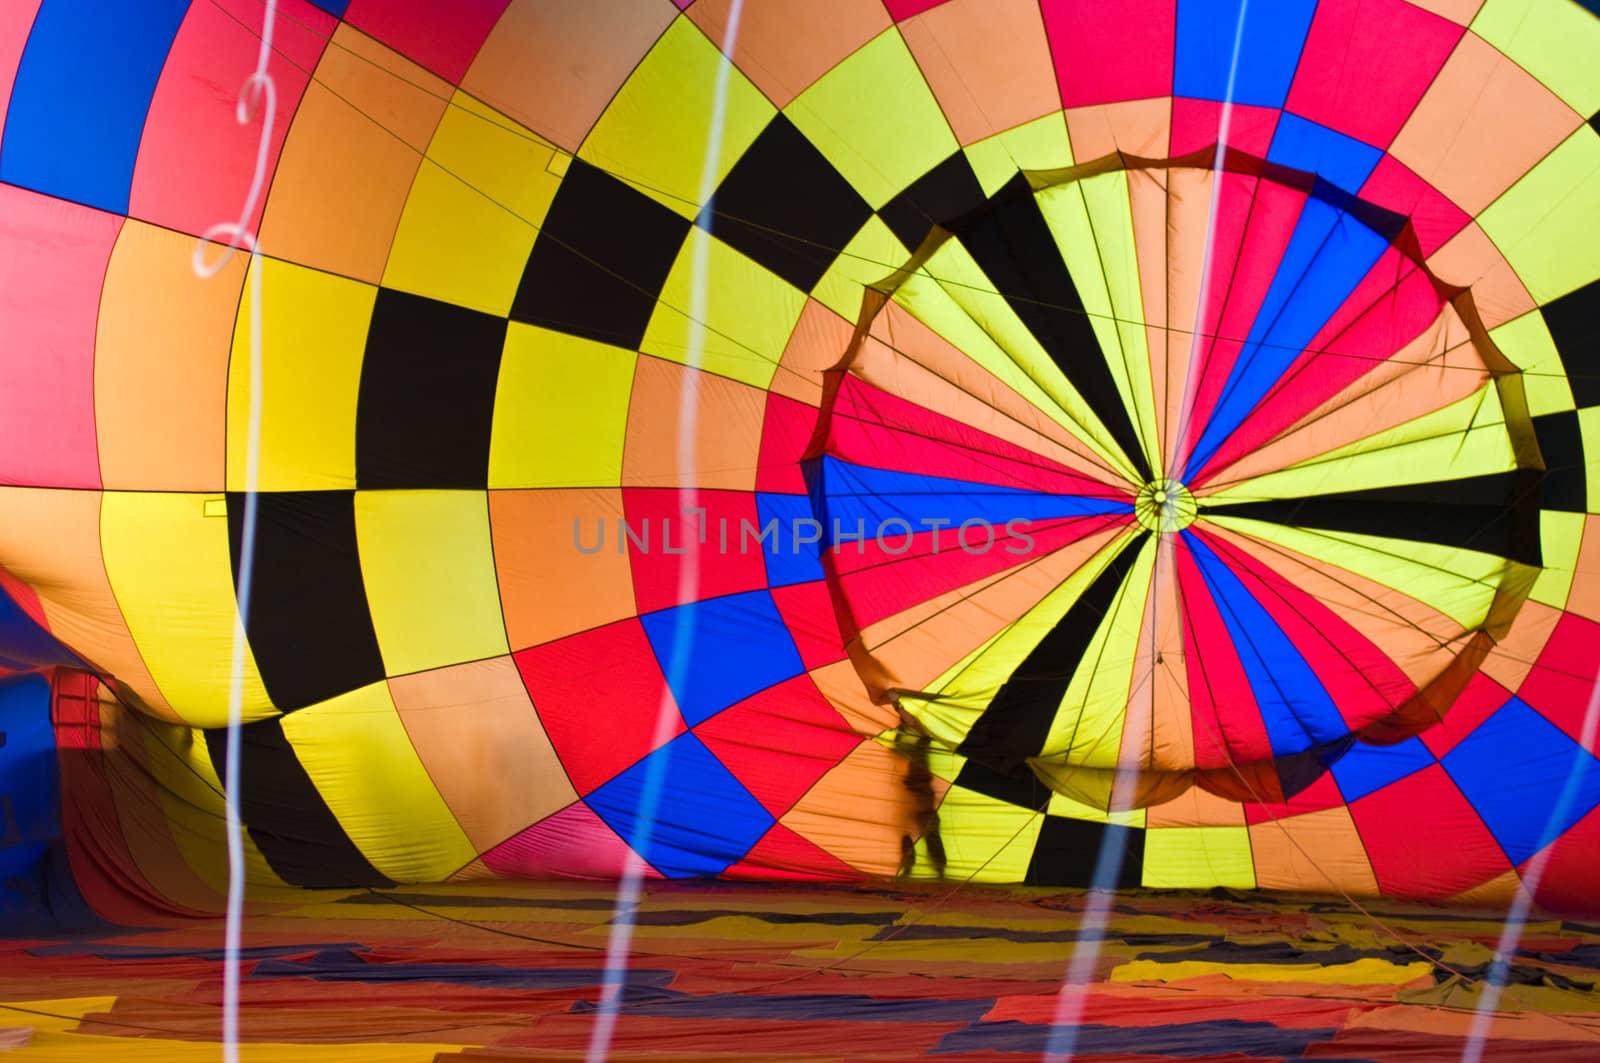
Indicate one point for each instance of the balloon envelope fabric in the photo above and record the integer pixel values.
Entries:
(810, 440)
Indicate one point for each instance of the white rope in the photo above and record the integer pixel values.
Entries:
(258, 94)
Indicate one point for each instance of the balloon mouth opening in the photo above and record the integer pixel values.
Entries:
(1165, 506)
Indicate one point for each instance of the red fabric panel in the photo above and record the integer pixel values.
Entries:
(785, 433)
(1424, 839)
(53, 257)
(879, 584)
(213, 53)
(1109, 52)
(780, 741)
(783, 856)
(900, 10)
(722, 568)
(1134, 1010)
(1562, 681)
(807, 610)
(872, 427)
(26, 597)
(1481, 699)
(1362, 681)
(597, 695)
(1320, 795)
(444, 38)
(1366, 63)
(1572, 869)
(1227, 723)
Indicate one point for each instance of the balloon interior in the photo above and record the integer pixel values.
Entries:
(780, 491)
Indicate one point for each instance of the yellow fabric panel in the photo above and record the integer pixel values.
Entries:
(1526, 341)
(875, 119)
(1064, 805)
(982, 835)
(191, 790)
(1458, 583)
(1365, 971)
(1548, 224)
(1087, 729)
(870, 256)
(313, 336)
(474, 210)
(1197, 858)
(172, 573)
(429, 570)
(1556, 43)
(74, 1008)
(356, 750)
(1042, 144)
(64, 1047)
(657, 128)
(560, 411)
(1465, 438)
(1092, 222)
(965, 308)
(749, 313)
(966, 688)
(1560, 536)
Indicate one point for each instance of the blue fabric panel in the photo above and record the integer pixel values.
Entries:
(1314, 148)
(78, 107)
(333, 7)
(1367, 768)
(1526, 778)
(1328, 255)
(30, 787)
(1269, 49)
(788, 559)
(347, 965)
(704, 819)
(24, 644)
(727, 649)
(1221, 1038)
(798, 1007)
(857, 495)
(1295, 707)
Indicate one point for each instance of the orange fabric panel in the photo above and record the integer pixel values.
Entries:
(548, 587)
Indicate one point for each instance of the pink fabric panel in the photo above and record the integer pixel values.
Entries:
(1105, 53)
(574, 842)
(1434, 217)
(1391, 306)
(1366, 64)
(53, 257)
(193, 112)
(1198, 124)
(16, 20)
(444, 38)
(1255, 220)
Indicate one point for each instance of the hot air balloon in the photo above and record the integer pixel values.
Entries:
(983, 441)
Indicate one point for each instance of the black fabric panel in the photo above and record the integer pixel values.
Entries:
(427, 394)
(1015, 248)
(286, 816)
(942, 196)
(309, 626)
(1594, 121)
(1496, 514)
(784, 205)
(601, 257)
(1565, 479)
(1018, 786)
(1574, 323)
(1068, 850)
(1017, 722)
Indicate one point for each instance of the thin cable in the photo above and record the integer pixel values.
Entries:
(258, 93)
(1493, 984)
(619, 942)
